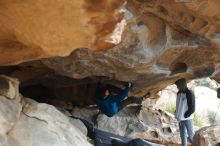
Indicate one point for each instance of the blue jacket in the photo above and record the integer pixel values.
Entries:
(109, 105)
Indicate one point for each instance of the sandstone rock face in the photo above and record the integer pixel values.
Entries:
(37, 29)
(9, 113)
(135, 122)
(43, 125)
(208, 136)
(9, 109)
(9, 87)
(162, 41)
(28, 123)
(149, 42)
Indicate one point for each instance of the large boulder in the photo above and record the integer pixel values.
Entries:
(135, 122)
(29, 123)
(208, 136)
(43, 125)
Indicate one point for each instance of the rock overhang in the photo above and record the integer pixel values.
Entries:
(161, 41)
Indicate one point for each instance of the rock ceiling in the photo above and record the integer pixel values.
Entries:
(149, 42)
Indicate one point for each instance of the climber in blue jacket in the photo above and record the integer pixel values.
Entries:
(111, 104)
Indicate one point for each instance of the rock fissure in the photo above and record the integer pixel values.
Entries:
(36, 118)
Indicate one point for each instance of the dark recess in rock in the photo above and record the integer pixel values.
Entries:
(178, 67)
(51, 87)
(154, 134)
(167, 130)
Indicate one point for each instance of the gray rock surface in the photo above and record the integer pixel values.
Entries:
(9, 87)
(208, 136)
(29, 123)
(150, 124)
(9, 114)
(43, 125)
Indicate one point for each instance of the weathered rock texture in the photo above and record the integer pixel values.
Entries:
(162, 41)
(152, 39)
(149, 42)
(32, 30)
(9, 87)
(156, 42)
(207, 136)
(146, 123)
(28, 123)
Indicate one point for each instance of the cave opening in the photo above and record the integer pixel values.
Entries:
(64, 92)
(179, 67)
